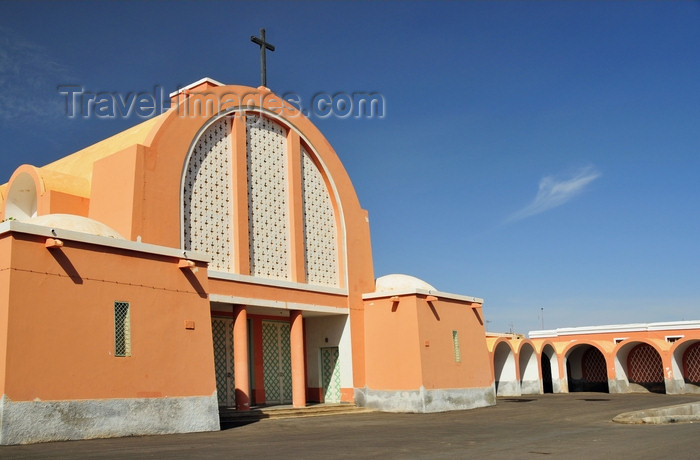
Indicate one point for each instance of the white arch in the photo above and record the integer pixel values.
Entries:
(504, 371)
(529, 372)
(21, 198)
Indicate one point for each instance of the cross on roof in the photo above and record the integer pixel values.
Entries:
(263, 46)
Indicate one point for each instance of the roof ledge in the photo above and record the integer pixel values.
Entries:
(205, 83)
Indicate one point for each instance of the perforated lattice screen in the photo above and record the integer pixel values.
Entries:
(207, 206)
(122, 329)
(593, 366)
(644, 365)
(266, 143)
(691, 361)
(320, 245)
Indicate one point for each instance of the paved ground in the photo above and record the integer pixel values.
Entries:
(576, 425)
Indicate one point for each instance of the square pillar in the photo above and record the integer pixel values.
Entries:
(298, 365)
(240, 357)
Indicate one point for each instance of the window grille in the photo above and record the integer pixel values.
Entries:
(122, 329)
(455, 343)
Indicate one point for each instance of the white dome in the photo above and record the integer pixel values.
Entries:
(398, 282)
(74, 223)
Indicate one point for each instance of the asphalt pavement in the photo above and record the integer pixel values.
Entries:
(576, 425)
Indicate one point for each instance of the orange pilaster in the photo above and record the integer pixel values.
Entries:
(240, 357)
(296, 211)
(241, 257)
(297, 345)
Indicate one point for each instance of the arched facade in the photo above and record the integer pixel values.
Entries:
(656, 357)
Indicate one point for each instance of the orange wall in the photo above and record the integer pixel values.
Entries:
(5, 255)
(393, 354)
(116, 197)
(409, 344)
(60, 340)
(440, 370)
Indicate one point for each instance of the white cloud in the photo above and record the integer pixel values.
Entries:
(555, 191)
(28, 78)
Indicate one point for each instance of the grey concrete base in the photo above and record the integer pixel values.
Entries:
(26, 422)
(530, 387)
(671, 414)
(508, 388)
(558, 386)
(674, 387)
(689, 388)
(618, 386)
(423, 401)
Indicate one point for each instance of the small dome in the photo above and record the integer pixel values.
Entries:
(398, 282)
(74, 223)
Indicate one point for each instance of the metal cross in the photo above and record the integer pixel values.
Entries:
(263, 46)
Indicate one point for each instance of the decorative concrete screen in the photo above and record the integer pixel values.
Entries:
(320, 245)
(267, 194)
(207, 206)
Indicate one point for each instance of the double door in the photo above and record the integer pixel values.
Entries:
(277, 362)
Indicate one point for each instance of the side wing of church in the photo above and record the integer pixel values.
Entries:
(213, 256)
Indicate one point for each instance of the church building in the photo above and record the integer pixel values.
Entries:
(217, 256)
(213, 256)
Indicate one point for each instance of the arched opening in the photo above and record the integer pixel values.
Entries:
(548, 361)
(529, 373)
(505, 377)
(691, 368)
(21, 198)
(546, 375)
(645, 369)
(586, 369)
(685, 362)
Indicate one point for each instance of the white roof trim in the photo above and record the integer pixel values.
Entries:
(616, 328)
(197, 83)
(69, 235)
(439, 294)
(276, 283)
(277, 304)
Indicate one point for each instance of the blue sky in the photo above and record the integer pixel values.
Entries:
(538, 155)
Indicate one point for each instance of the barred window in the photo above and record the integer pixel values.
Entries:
(455, 344)
(122, 329)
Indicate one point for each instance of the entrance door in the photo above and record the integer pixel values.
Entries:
(222, 333)
(277, 362)
(330, 374)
